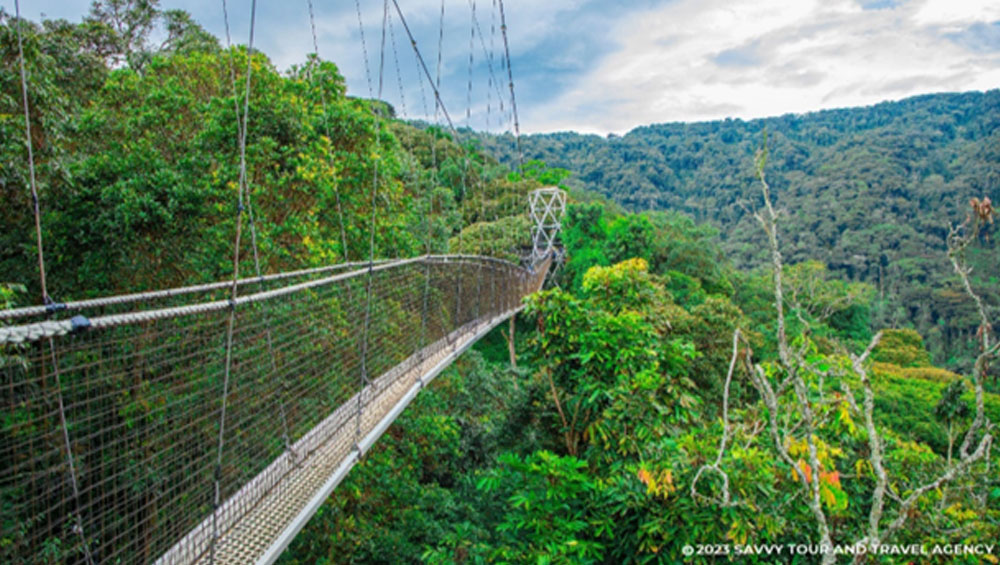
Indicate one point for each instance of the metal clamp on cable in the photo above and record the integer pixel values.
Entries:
(53, 307)
(79, 323)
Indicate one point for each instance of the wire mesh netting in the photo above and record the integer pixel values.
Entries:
(118, 428)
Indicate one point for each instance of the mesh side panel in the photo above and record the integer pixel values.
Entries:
(313, 368)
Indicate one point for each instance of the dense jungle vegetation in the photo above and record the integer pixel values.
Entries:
(662, 395)
(869, 192)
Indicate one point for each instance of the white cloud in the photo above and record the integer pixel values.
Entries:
(592, 66)
(952, 12)
(697, 59)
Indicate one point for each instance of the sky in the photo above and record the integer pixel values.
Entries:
(597, 66)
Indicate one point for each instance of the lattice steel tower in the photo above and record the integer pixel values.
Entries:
(547, 207)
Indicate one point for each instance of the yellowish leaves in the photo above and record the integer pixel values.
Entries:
(959, 514)
(659, 484)
(844, 417)
(804, 469)
(863, 467)
(604, 276)
(824, 451)
(739, 532)
(831, 493)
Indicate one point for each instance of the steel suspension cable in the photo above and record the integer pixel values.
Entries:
(510, 79)
(493, 84)
(216, 500)
(245, 193)
(364, 48)
(74, 481)
(436, 84)
(427, 73)
(396, 64)
(31, 154)
(468, 124)
(365, 380)
(326, 127)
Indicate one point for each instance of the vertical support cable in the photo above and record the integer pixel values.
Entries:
(426, 216)
(439, 104)
(217, 478)
(365, 380)
(244, 188)
(74, 482)
(31, 154)
(468, 120)
(326, 127)
(510, 82)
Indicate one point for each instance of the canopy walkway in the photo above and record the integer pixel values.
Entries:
(207, 424)
(129, 435)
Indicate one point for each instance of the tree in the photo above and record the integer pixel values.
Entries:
(121, 29)
(794, 392)
(951, 410)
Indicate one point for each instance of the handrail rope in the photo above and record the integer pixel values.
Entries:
(236, 272)
(74, 481)
(365, 381)
(326, 126)
(169, 293)
(39, 330)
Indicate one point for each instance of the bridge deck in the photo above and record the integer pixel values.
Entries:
(319, 461)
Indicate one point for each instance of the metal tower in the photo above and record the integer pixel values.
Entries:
(547, 207)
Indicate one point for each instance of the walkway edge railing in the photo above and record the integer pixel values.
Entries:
(53, 328)
(288, 534)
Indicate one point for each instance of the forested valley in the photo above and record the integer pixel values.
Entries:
(777, 331)
(869, 192)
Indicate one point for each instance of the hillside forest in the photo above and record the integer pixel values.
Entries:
(869, 192)
(776, 331)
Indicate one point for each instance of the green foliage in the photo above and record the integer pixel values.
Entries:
(869, 192)
(138, 171)
(502, 238)
(906, 399)
(668, 242)
(903, 347)
(549, 498)
(587, 453)
(602, 354)
(951, 408)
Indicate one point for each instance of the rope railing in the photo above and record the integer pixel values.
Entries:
(142, 393)
(124, 300)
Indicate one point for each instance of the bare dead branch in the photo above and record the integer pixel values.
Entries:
(716, 467)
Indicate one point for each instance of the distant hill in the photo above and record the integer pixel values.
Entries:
(870, 191)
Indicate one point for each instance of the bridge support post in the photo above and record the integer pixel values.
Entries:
(510, 342)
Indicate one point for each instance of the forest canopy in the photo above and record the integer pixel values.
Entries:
(785, 338)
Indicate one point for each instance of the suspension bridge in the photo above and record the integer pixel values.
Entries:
(228, 412)
(234, 449)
